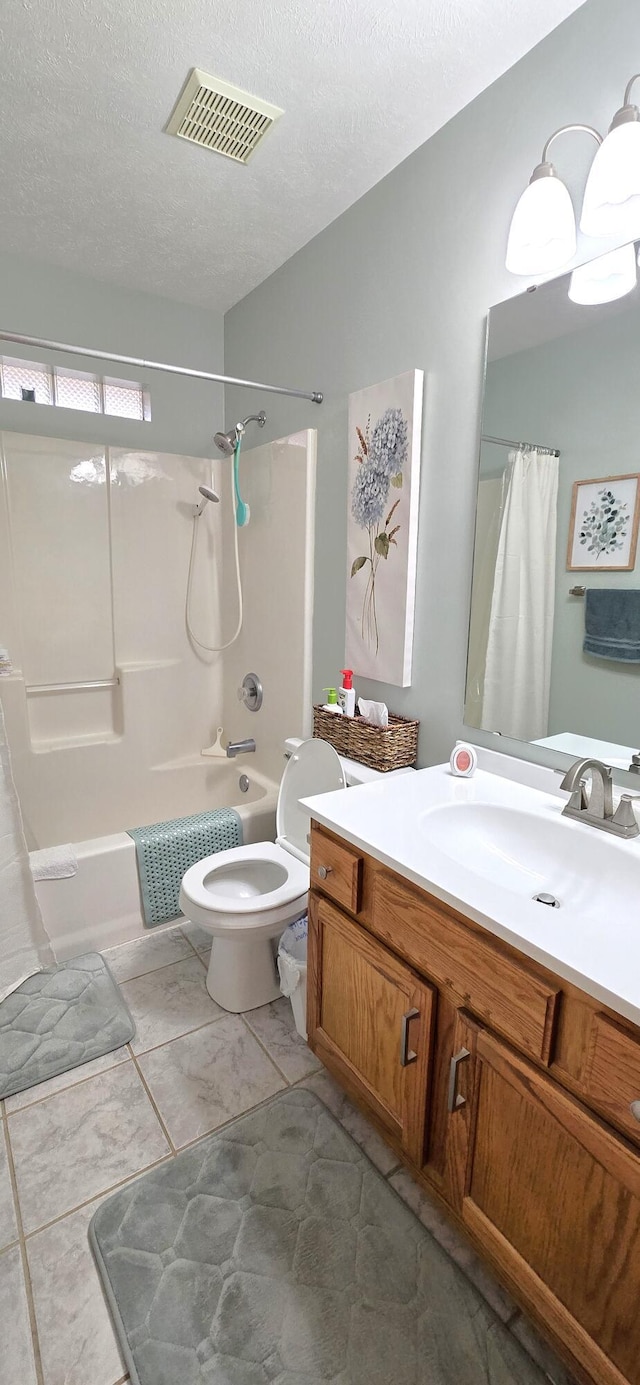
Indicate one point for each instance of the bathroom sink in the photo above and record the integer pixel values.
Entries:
(487, 846)
(530, 853)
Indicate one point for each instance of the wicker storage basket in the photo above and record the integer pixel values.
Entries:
(391, 747)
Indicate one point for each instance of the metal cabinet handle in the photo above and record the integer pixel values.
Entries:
(634, 1108)
(324, 871)
(407, 1054)
(454, 1100)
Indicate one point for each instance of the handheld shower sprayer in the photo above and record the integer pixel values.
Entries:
(229, 444)
(207, 494)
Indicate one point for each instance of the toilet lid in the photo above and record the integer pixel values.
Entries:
(313, 768)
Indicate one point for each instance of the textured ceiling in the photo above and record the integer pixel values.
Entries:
(89, 180)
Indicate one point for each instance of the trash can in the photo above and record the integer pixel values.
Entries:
(292, 966)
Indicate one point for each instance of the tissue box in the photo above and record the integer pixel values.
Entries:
(390, 747)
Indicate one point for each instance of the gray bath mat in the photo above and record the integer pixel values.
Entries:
(274, 1253)
(58, 1019)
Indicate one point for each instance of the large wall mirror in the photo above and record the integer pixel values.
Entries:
(554, 643)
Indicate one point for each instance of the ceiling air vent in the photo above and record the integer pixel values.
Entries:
(220, 117)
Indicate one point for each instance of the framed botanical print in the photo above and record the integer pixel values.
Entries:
(603, 528)
(385, 423)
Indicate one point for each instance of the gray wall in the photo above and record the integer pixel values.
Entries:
(579, 393)
(404, 279)
(44, 301)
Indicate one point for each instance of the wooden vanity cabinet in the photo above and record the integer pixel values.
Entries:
(507, 1092)
(554, 1197)
(371, 1018)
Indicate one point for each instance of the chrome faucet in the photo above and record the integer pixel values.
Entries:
(240, 748)
(596, 809)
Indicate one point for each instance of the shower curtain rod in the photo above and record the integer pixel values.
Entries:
(509, 442)
(314, 395)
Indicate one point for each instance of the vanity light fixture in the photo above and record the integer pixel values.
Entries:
(542, 235)
(611, 204)
(603, 280)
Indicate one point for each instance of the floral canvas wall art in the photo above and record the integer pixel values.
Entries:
(603, 529)
(382, 527)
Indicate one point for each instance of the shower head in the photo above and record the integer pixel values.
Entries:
(227, 441)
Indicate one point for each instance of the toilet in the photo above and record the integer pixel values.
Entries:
(247, 896)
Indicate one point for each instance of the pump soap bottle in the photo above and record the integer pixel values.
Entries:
(331, 704)
(347, 693)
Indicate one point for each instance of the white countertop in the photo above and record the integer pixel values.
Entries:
(592, 940)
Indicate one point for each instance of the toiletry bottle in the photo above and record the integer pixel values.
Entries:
(331, 704)
(347, 693)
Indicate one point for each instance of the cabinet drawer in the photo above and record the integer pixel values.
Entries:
(336, 869)
(612, 1080)
(502, 992)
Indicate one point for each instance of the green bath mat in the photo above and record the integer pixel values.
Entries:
(165, 850)
(274, 1253)
(57, 1020)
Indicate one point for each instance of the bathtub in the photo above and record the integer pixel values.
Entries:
(100, 906)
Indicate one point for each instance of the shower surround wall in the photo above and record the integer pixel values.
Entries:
(94, 549)
(117, 564)
(278, 482)
(95, 530)
(94, 555)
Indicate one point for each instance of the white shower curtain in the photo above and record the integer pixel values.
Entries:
(24, 945)
(518, 664)
(488, 512)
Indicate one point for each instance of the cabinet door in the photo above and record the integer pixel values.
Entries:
(452, 1102)
(554, 1197)
(370, 1020)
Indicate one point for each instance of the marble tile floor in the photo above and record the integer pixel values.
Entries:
(66, 1144)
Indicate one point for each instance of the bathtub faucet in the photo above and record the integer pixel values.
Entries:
(240, 748)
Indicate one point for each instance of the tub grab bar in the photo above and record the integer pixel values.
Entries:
(38, 689)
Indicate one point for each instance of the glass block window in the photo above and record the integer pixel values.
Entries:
(35, 383)
(23, 380)
(125, 400)
(75, 390)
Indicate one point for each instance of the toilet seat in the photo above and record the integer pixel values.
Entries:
(240, 889)
(225, 883)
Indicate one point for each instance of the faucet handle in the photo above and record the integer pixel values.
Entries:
(624, 815)
(250, 692)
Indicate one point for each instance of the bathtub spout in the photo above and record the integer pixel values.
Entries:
(240, 748)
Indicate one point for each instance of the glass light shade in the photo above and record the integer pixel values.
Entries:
(603, 280)
(611, 204)
(542, 235)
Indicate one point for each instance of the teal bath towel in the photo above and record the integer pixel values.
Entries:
(165, 850)
(612, 623)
